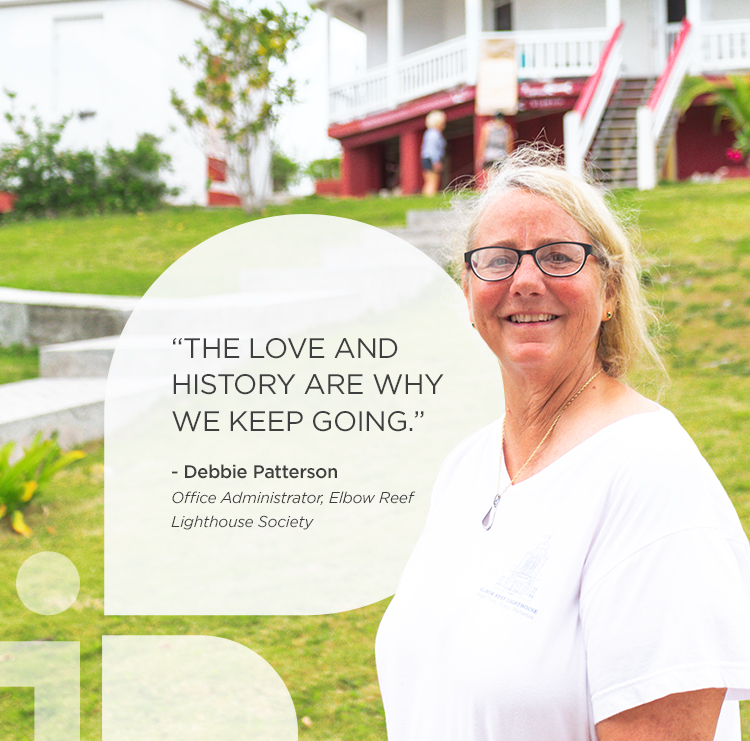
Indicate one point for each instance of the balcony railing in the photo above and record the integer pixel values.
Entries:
(570, 53)
(539, 54)
(722, 46)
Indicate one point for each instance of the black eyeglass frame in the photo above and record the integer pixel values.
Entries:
(588, 249)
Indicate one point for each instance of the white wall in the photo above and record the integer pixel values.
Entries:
(116, 57)
(374, 25)
(726, 10)
(423, 26)
(531, 15)
(454, 23)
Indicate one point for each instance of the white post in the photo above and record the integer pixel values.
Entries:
(694, 15)
(473, 18)
(329, 18)
(395, 28)
(613, 15)
(571, 140)
(646, 148)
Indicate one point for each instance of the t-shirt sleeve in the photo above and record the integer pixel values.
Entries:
(672, 617)
(665, 601)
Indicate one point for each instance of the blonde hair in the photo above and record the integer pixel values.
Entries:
(435, 119)
(624, 339)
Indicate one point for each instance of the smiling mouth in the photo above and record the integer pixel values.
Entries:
(530, 318)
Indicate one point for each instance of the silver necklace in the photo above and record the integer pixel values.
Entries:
(489, 518)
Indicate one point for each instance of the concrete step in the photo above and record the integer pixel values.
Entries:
(74, 408)
(36, 318)
(85, 358)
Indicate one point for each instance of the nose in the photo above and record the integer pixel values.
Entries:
(528, 278)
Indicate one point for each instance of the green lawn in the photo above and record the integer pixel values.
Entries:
(697, 242)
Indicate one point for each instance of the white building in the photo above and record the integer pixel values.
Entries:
(111, 64)
(538, 60)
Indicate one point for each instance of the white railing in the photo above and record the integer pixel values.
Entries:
(364, 95)
(429, 70)
(539, 54)
(573, 52)
(580, 124)
(673, 30)
(651, 118)
(722, 46)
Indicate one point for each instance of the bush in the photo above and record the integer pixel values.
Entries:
(285, 172)
(324, 169)
(48, 180)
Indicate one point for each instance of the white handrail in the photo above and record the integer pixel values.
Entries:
(580, 124)
(651, 118)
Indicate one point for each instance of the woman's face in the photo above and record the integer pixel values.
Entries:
(531, 321)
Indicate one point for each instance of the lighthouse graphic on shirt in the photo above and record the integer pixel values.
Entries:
(524, 579)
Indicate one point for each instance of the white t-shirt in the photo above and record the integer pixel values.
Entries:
(617, 575)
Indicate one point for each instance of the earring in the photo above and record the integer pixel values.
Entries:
(609, 316)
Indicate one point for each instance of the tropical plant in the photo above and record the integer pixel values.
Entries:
(21, 480)
(732, 100)
(238, 93)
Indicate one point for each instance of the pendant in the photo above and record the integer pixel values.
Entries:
(489, 518)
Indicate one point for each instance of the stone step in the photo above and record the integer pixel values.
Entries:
(430, 221)
(74, 408)
(36, 318)
(85, 358)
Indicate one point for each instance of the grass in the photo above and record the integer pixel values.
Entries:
(124, 254)
(697, 242)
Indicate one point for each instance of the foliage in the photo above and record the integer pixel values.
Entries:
(238, 92)
(324, 169)
(732, 99)
(130, 180)
(48, 179)
(285, 172)
(21, 480)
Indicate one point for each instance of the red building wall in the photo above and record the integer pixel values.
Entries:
(702, 146)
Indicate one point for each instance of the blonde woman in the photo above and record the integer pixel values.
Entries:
(582, 574)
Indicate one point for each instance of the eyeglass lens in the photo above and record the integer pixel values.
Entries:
(558, 260)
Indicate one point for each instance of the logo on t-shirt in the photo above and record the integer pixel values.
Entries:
(516, 589)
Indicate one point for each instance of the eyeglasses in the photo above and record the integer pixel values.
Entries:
(558, 260)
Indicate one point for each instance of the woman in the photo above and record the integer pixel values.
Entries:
(582, 573)
(495, 142)
(433, 152)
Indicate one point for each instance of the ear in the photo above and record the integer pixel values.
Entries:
(466, 285)
(610, 301)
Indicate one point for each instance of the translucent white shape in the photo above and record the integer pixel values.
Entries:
(191, 688)
(52, 668)
(48, 583)
(304, 302)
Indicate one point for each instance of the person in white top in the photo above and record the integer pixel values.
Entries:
(582, 574)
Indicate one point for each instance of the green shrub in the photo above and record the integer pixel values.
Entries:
(285, 172)
(21, 480)
(324, 169)
(49, 180)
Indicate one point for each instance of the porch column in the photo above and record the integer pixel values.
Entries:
(410, 166)
(693, 14)
(395, 49)
(613, 15)
(473, 17)
(361, 170)
(329, 17)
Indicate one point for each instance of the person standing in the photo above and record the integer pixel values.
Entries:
(433, 152)
(495, 142)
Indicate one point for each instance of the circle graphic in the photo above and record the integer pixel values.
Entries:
(48, 583)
